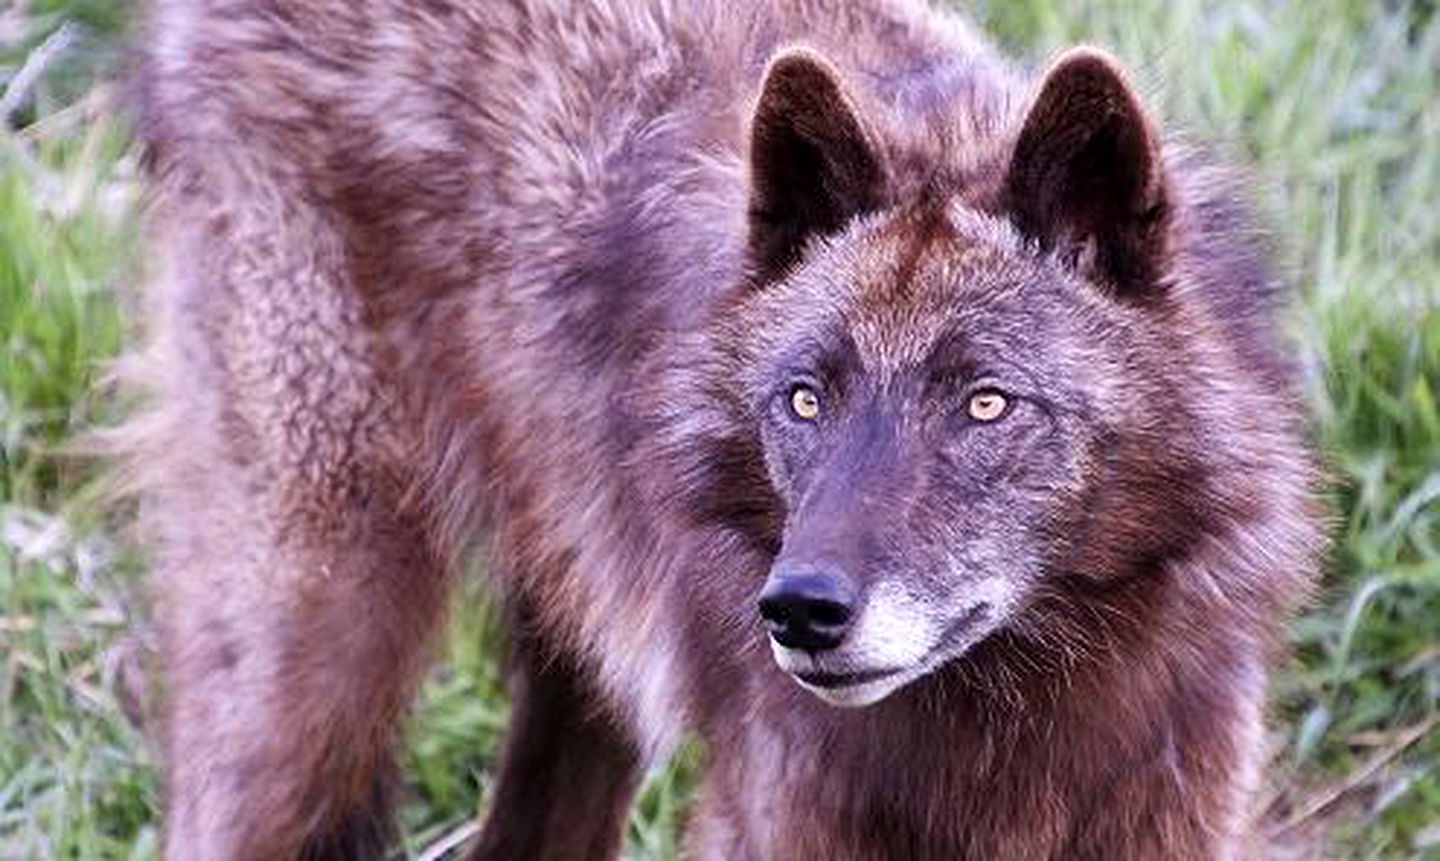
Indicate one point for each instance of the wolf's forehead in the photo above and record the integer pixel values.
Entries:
(921, 278)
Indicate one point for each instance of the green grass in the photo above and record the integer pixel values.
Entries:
(1334, 103)
(73, 780)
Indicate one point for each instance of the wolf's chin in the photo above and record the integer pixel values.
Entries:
(863, 693)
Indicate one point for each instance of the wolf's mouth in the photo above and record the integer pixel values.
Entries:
(845, 680)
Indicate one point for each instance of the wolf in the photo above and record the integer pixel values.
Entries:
(911, 430)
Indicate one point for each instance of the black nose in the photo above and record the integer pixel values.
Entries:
(807, 609)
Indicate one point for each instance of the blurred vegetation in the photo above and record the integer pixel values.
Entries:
(1334, 103)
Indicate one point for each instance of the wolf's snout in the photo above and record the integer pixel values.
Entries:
(807, 609)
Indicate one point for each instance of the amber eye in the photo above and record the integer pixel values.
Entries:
(987, 406)
(804, 403)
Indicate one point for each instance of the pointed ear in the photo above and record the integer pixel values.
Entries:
(813, 165)
(1086, 177)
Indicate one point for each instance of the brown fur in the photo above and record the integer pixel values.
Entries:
(444, 277)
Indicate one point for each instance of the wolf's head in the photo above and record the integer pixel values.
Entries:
(964, 396)
(946, 389)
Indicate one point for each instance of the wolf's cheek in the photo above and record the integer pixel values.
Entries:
(790, 457)
(979, 461)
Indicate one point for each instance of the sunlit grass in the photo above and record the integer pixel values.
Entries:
(74, 780)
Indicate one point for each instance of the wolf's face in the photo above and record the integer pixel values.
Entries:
(927, 426)
(933, 386)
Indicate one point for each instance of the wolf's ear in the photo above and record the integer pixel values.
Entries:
(1086, 177)
(813, 165)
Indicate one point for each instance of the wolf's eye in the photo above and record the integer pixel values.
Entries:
(804, 403)
(987, 406)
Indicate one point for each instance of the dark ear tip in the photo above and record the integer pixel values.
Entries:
(798, 56)
(799, 70)
(1092, 70)
(1088, 60)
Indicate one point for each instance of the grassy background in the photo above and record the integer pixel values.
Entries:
(1335, 103)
